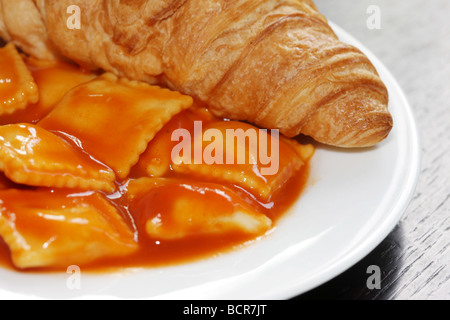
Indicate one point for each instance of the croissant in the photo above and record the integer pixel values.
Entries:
(273, 63)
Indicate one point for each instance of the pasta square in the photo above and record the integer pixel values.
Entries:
(239, 161)
(33, 156)
(156, 160)
(54, 80)
(17, 86)
(115, 119)
(172, 209)
(53, 228)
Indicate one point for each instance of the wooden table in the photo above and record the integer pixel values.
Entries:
(414, 43)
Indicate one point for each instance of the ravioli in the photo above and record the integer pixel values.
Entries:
(236, 156)
(114, 119)
(172, 209)
(101, 171)
(33, 156)
(156, 160)
(54, 228)
(17, 86)
(53, 80)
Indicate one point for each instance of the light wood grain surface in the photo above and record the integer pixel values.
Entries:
(414, 43)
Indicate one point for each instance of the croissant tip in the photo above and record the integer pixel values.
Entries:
(356, 132)
(370, 132)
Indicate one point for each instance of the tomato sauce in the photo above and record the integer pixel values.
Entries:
(152, 252)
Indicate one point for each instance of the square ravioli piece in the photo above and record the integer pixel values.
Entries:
(33, 156)
(114, 119)
(241, 154)
(54, 228)
(17, 86)
(172, 209)
(156, 160)
(53, 79)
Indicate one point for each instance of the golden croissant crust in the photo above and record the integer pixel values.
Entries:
(274, 63)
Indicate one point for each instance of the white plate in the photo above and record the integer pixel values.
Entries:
(354, 201)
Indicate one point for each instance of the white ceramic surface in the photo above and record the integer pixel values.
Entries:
(353, 202)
